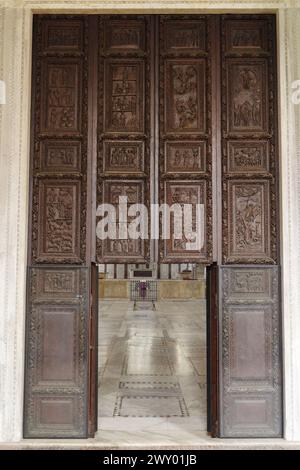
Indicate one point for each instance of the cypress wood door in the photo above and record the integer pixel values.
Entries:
(160, 109)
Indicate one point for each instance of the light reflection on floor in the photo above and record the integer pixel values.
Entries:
(152, 371)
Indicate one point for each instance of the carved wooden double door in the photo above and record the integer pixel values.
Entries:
(160, 109)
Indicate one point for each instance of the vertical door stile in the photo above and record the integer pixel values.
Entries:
(93, 52)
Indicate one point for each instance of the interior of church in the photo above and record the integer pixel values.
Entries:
(152, 356)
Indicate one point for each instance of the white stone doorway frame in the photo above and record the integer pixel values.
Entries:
(15, 70)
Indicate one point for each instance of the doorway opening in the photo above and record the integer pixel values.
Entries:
(152, 377)
(153, 111)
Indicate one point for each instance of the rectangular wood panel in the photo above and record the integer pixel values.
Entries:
(59, 220)
(182, 35)
(179, 193)
(250, 351)
(61, 96)
(249, 220)
(185, 108)
(123, 246)
(247, 88)
(124, 35)
(62, 35)
(56, 360)
(124, 96)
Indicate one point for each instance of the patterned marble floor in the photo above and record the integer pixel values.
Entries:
(152, 369)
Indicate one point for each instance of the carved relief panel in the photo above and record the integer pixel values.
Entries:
(249, 224)
(124, 156)
(124, 96)
(248, 157)
(185, 96)
(121, 246)
(61, 92)
(247, 95)
(192, 240)
(246, 36)
(62, 35)
(59, 223)
(185, 127)
(124, 35)
(59, 156)
(184, 36)
(184, 157)
(249, 140)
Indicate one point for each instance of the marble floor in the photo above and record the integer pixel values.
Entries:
(152, 372)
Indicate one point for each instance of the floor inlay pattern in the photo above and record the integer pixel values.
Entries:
(152, 365)
(150, 406)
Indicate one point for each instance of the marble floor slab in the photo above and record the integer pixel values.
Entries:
(152, 371)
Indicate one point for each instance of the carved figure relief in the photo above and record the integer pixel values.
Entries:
(252, 282)
(247, 101)
(184, 35)
(124, 100)
(62, 282)
(124, 35)
(61, 95)
(123, 247)
(185, 157)
(184, 110)
(249, 220)
(51, 282)
(247, 87)
(184, 196)
(184, 193)
(248, 157)
(62, 35)
(134, 193)
(185, 96)
(131, 191)
(248, 217)
(249, 283)
(123, 157)
(246, 36)
(59, 219)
